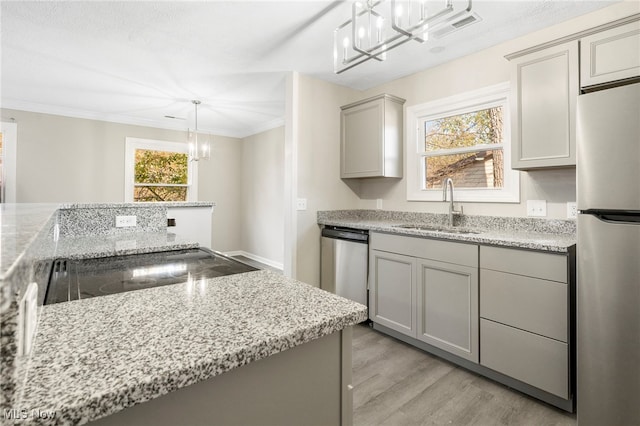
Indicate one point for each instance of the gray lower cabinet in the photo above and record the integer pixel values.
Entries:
(447, 301)
(525, 327)
(426, 289)
(392, 291)
(505, 313)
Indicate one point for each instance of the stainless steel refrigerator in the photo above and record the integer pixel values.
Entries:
(608, 283)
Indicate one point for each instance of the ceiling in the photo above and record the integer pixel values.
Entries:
(140, 61)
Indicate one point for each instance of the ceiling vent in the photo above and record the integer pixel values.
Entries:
(457, 25)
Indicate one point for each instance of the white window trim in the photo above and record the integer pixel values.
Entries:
(9, 160)
(132, 144)
(464, 102)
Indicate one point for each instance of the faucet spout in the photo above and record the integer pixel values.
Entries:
(447, 184)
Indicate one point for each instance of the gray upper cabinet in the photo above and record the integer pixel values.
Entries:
(545, 86)
(371, 138)
(610, 55)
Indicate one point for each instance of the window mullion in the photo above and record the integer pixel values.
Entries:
(464, 150)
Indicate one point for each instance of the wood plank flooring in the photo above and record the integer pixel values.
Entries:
(396, 384)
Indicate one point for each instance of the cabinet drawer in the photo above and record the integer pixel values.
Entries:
(530, 263)
(444, 251)
(532, 304)
(530, 358)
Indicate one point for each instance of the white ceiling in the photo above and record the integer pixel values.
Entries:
(139, 61)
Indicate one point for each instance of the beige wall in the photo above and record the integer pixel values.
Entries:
(319, 167)
(64, 159)
(262, 195)
(475, 71)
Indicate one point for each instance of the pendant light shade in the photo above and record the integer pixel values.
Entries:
(199, 144)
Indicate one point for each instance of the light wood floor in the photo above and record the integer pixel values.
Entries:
(396, 384)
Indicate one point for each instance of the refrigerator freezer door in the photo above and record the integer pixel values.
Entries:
(608, 152)
(608, 298)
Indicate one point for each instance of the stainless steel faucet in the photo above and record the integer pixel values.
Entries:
(448, 183)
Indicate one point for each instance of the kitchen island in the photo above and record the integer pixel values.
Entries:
(249, 348)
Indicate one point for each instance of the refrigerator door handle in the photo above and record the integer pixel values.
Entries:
(615, 216)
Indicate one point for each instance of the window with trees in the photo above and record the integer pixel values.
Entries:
(158, 171)
(464, 138)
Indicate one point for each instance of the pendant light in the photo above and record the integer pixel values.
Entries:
(377, 26)
(199, 145)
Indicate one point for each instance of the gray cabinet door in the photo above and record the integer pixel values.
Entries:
(392, 291)
(371, 138)
(544, 90)
(610, 55)
(362, 140)
(447, 305)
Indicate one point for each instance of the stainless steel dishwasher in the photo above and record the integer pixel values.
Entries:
(344, 259)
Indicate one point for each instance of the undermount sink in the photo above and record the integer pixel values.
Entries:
(419, 227)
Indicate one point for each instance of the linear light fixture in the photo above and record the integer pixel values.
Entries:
(199, 145)
(377, 26)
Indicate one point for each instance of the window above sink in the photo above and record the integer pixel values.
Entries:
(466, 138)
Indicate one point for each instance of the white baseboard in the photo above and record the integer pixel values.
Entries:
(273, 264)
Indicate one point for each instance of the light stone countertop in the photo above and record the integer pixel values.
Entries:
(94, 357)
(97, 356)
(535, 234)
(143, 204)
(19, 225)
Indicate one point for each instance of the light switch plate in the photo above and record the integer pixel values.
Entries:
(379, 203)
(572, 210)
(537, 208)
(125, 221)
(301, 204)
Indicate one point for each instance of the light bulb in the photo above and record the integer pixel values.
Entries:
(345, 46)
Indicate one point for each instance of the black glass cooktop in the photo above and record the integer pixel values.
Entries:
(73, 279)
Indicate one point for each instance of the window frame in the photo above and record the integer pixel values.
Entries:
(9, 160)
(417, 115)
(133, 144)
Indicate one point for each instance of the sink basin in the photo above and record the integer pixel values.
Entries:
(419, 227)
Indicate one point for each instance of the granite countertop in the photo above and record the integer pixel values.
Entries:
(65, 206)
(20, 223)
(97, 356)
(535, 234)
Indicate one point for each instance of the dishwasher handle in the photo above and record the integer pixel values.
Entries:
(350, 234)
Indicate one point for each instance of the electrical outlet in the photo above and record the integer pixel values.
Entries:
(301, 204)
(125, 221)
(572, 210)
(537, 208)
(379, 203)
(27, 319)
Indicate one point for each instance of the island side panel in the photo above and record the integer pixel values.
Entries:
(303, 385)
